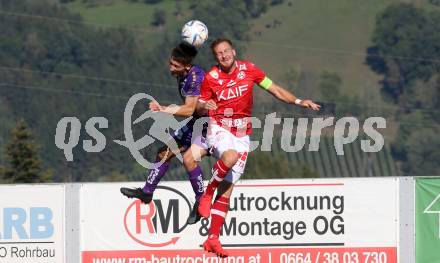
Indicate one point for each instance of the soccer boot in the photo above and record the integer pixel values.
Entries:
(205, 203)
(194, 216)
(137, 193)
(213, 245)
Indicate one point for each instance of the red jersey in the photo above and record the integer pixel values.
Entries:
(232, 92)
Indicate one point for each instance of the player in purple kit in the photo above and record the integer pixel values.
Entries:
(189, 78)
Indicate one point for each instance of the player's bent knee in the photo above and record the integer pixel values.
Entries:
(188, 161)
(163, 154)
(230, 158)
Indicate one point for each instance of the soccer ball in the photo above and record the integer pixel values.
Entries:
(195, 33)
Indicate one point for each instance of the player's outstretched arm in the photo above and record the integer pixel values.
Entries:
(203, 107)
(185, 110)
(286, 96)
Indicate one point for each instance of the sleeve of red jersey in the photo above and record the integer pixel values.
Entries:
(258, 74)
(205, 91)
(260, 77)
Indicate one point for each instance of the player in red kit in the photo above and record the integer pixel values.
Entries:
(226, 93)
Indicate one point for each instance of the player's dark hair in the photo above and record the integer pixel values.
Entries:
(184, 53)
(216, 42)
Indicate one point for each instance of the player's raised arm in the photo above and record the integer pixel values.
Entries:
(286, 96)
(185, 110)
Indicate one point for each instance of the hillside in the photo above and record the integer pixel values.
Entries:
(85, 58)
(134, 16)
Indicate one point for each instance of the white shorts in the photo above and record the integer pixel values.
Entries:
(220, 140)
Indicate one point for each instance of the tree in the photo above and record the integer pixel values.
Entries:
(420, 151)
(25, 166)
(435, 2)
(179, 9)
(159, 18)
(405, 41)
(341, 104)
(330, 86)
(417, 141)
(152, 1)
(256, 7)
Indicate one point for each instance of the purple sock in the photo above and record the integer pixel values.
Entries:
(196, 179)
(154, 177)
